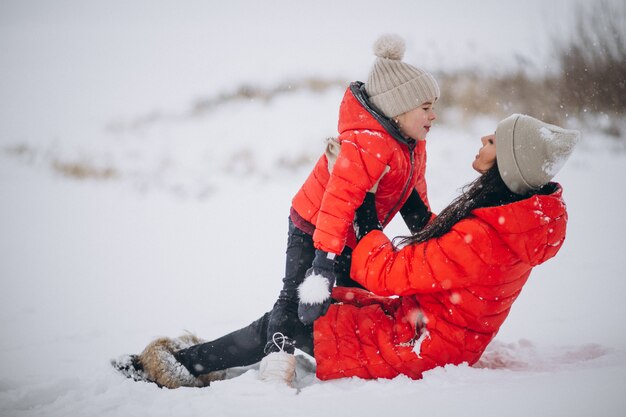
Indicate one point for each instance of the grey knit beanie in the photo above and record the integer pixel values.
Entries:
(395, 87)
(530, 152)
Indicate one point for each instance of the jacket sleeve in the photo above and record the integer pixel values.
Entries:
(455, 260)
(361, 298)
(360, 163)
(415, 212)
(420, 185)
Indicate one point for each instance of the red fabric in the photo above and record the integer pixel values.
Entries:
(458, 287)
(329, 200)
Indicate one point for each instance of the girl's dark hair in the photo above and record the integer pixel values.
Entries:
(485, 191)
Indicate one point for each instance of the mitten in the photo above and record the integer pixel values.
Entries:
(366, 217)
(314, 292)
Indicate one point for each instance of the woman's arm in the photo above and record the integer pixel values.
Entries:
(457, 259)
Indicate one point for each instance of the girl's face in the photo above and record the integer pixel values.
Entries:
(416, 123)
(486, 155)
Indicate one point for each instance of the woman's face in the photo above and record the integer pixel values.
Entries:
(416, 123)
(486, 155)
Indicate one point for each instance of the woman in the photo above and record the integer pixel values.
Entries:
(456, 279)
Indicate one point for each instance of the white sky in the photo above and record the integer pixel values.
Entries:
(70, 62)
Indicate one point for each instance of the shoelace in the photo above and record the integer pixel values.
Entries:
(280, 346)
(281, 342)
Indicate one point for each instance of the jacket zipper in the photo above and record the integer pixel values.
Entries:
(408, 182)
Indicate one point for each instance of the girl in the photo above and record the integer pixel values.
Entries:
(455, 280)
(382, 128)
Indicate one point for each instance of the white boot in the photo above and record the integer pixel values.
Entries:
(278, 366)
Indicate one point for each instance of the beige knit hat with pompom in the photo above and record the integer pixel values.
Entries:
(396, 87)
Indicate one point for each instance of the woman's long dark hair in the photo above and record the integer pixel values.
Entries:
(485, 191)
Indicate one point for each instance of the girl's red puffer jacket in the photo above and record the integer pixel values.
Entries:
(455, 292)
(326, 202)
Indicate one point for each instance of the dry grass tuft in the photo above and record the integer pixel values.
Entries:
(83, 171)
(590, 78)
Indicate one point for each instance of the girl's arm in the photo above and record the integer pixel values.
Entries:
(355, 171)
(415, 212)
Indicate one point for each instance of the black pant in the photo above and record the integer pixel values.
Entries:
(246, 346)
(242, 347)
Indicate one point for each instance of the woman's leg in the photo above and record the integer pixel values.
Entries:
(242, 347)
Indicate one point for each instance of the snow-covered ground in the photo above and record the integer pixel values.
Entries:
(125, 215)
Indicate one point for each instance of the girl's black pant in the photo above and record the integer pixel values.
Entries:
(246, 346)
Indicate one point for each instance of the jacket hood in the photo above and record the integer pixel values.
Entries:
(357, 113)
(533, 228)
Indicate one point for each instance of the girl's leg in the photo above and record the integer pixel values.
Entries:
(247, 346)
(303, 336)
(342, 270)
(242, 347)
(284, 315)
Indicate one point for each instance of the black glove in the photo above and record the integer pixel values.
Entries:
(415, 213)
(366, 218)
(314, 292)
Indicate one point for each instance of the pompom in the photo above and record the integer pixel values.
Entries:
(314, 290)
(390, 47)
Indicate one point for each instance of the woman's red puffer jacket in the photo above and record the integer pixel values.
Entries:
(455, 292)
(326, 202)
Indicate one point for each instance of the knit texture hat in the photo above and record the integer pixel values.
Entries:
(530, 152)
(395, 87)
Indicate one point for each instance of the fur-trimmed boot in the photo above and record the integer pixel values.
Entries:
(157, 364)
(279, 364)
